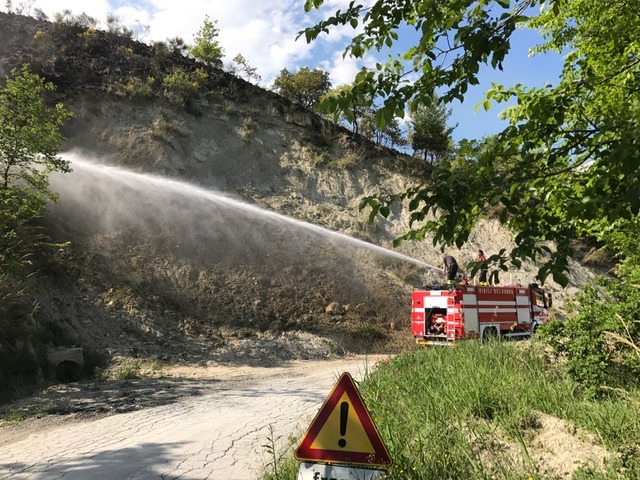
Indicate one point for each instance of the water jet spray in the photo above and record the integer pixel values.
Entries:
(137, 180)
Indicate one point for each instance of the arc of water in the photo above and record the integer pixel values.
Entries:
(185, 188)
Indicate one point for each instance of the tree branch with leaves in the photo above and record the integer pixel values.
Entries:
(568, 157)
(29, 143)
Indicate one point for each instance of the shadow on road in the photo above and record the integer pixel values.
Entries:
(108, 397)
(146, 461)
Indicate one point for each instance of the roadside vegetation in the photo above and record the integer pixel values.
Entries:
(473, 412)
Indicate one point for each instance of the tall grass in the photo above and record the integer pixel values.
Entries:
(469, 412)
(446, 413)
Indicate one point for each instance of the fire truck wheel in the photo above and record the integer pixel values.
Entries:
(489, 334)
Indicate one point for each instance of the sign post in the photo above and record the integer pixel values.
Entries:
(344, 433)
(323, 471)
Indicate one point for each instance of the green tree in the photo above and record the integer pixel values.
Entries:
(390, 134)
(176, 46)
(206, 48)
(358, 113)
(29, 143)
(305, 87)
(250, 73)
(572, 149)
(430, 134)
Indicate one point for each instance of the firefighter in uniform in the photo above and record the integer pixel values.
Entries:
(483, 268)
(450, 268)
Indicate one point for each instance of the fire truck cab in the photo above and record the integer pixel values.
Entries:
(440, 317)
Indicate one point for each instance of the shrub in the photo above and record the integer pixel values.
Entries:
(248, 125)
(88, 38)
(180, 86)
(129, 370)
(164, 128)
(599, 340)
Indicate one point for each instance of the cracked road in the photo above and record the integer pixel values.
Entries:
(220, 435)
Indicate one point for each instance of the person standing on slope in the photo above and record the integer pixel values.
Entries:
(483, 268)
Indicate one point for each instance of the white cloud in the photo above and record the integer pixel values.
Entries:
(343, 70)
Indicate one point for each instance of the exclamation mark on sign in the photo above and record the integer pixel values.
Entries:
(344, 415)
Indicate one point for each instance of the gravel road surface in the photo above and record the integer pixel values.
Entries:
(219, 435)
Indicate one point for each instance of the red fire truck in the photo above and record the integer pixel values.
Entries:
(440, 317)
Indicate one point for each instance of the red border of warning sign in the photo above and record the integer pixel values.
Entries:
(380, 457)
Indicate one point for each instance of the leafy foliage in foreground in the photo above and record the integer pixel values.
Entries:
(600, 341)
(566, 163)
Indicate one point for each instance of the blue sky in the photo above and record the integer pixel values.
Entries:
(519, 67)
(265, 31)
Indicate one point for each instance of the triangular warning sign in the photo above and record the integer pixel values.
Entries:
(343, 431)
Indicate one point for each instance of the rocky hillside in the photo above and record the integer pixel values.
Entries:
(224, 228)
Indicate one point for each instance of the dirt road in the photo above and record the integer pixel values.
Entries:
(218, 435)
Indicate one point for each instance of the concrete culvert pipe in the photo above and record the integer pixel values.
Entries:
(68, 364)
(68, 371)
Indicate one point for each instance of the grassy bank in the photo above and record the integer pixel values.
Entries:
(475, 412)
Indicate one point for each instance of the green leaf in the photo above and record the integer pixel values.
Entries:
(409, 54)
